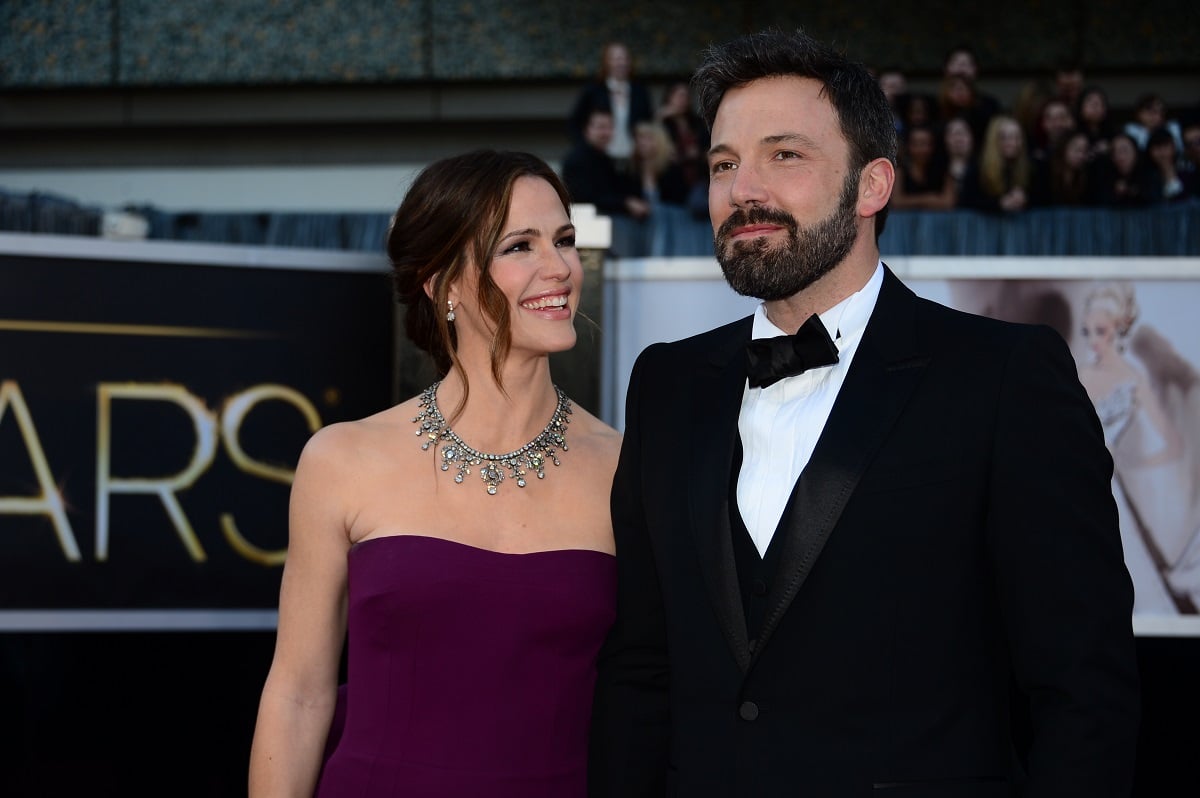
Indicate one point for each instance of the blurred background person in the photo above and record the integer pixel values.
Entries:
(1054, 123)
(922, 181)
(654, 168)
(962, 165)
(1163, 159)
(1005, 171)
(1093, 119)
(593, 177)
(1068, 82)
(615, 91)
(1123, 178)
(957, 96)
(1189, 169)
(894, 85)
(961, 61)
(689, 138)
(1064, 179)
(1149, 114)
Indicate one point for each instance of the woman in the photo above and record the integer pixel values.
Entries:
(476, 594)
(1064, 179)
(1150, 481)
(654, 169)
(1005, 172)
(922, 180)
(1092, 114)
(1124, 179)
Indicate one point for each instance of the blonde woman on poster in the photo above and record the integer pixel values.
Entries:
(1152, 480)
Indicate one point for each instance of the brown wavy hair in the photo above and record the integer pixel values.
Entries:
(452, 218)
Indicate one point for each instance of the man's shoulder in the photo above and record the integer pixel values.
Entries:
(705, 344)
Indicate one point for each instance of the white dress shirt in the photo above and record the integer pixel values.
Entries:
(780, 424)
(621, 146)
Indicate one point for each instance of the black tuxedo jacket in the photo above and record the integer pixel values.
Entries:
(951, 612)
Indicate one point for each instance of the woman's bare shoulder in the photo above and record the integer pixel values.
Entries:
(361, 440)
(593, 433)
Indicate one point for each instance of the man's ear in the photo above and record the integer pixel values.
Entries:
(875, 186)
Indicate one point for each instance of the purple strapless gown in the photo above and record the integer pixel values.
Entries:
(470, 671)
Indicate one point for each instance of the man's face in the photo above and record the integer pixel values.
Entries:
(782, 198)
(599, 131)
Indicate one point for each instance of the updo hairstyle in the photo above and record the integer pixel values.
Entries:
(452, 219)
(1116, 300)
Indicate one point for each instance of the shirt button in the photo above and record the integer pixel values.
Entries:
(759, 588)
(748, 710)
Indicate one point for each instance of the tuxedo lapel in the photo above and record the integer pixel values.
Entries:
(717, 399)
(881, 378)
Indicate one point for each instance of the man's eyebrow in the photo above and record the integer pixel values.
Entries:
(790, 138)
(778, 138)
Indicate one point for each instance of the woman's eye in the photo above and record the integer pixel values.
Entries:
(566, 241)
(520, 246)
(722, 166)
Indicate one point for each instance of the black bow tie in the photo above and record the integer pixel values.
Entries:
(769, 360)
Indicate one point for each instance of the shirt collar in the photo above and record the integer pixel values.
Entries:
(844, 321)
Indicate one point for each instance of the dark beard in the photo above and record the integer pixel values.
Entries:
(766, 271)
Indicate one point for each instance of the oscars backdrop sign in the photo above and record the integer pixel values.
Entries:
(154, 400)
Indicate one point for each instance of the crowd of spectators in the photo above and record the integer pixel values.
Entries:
(1058, 145)
(628, 157)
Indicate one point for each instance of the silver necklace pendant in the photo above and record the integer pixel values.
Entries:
(493, 468)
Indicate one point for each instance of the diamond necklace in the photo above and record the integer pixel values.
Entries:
(533, 456)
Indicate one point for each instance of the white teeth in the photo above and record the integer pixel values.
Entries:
(545, 302)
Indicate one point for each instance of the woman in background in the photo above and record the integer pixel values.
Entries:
(476, 595)
(1005, 171)
(654, 168)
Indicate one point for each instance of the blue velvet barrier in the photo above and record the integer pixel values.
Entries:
(1163, 230)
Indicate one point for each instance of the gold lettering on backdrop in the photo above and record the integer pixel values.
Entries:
(204, 425)
(236, 410)
(50, 501)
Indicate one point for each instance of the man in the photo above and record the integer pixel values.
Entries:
(897, 571)
(592, 177)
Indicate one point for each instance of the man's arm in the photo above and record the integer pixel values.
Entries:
(630, 715)
(1064, 591)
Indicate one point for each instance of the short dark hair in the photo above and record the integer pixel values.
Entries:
(863, 114)
(451, 219)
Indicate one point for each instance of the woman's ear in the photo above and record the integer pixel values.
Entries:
(431, 286)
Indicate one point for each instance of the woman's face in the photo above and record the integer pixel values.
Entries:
(1093, 108)
(1099, 332)
(536, 267)
(1162, 153)
(920, 145)
(1057, 119)
(1124, 154)
(1009, 140)
(958, 138)
(645, 143)
(958, 92)
(1075, 153)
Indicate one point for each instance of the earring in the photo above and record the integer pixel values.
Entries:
(450, 312)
